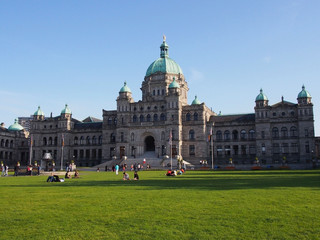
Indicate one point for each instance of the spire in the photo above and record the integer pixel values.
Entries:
(164, 53)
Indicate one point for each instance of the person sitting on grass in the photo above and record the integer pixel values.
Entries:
(68, 175)
(76, 174)
(125, 176)
(135, 176)
(170, 173)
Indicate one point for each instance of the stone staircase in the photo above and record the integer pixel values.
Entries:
(151, 159)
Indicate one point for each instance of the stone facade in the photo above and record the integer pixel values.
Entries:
(274, 134)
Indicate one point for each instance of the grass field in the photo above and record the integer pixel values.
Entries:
(196, 205)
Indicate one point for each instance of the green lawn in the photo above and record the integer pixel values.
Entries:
(196, 205)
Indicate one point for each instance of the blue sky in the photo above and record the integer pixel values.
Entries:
(81, 52)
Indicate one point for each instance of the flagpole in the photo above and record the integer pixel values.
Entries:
(212, 152)
(171, 146)
(62, 145)
(30, 154)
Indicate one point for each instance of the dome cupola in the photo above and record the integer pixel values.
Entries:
(164, 64)
(38, 112)
(174, 84)
(16, 126)
(125, 88)
(66, 110)
(304, 93)
(261, 96)
(195, 101)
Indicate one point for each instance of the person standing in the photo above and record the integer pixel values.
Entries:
(39, 169)
(3, 170)
(6, 170)
(117, 169)
(16, 169)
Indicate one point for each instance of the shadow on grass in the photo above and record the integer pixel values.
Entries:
(201, 181)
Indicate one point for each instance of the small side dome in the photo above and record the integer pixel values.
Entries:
(38, 112)
(16, 126)
(66, 110)
(125, 88)
(304, 93)
(174, 84)
(196, 101)
(261, 96)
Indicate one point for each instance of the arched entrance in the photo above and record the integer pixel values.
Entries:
(149, 143)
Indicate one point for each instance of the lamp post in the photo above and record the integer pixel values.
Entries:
(211, 138)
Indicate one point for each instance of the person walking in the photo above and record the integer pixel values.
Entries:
(117, 169)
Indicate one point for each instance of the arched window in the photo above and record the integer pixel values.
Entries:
(55, 142)
(191, 134)
(94, 140)
(7, 143)
(2, 143)
(284, 132)
(141, 118)
(219, 135)
(195, 116)
(134, 119)
(75, 141)
(11, 144)
(275, 132)
(226, 135)
(293, 131)
(235, 135)
(188, 117)
(44, 141)
(121, 137)
(155, 117)
(243, 134)
(100, 140)
(88, 141)
(252, 134)
(132, 137)
(50, 141)
(162, 117)
(115, 121)
(148, 118)
(110, 121)
(81, 140)
(112, 138)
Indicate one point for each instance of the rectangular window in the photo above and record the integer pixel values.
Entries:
(262, 134)
(235, 149)
(276, 148)
(243, 150)
(191, 150)
(227, 150)
(294, 148)
(252, 149)
(285, 148)
(306, 132)
(219, 150)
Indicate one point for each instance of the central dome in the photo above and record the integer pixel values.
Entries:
(164, 64)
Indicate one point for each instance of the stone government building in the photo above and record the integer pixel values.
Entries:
(272, 133)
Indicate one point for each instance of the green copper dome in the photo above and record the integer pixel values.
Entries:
(66, 110)
(261, 96)
(304, 93)
(38, 112)
(164, 64)
(195, 101)
(125, 88)
(174, 84)
(16, 126)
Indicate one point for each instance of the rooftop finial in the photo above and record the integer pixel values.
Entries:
(164, 38)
